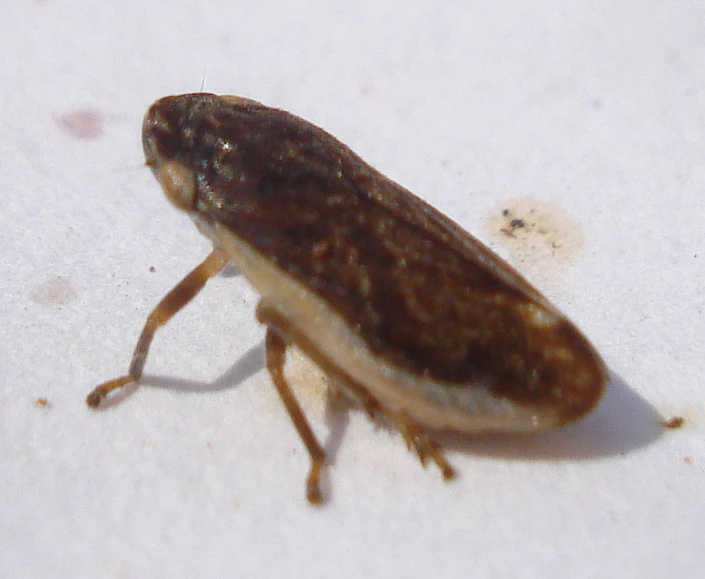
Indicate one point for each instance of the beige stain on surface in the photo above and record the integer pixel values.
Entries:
(540, 237)
(308, 381)
(82, 123)
(309, 384)
(53, 292)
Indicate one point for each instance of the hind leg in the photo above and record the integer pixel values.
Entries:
(416, 437)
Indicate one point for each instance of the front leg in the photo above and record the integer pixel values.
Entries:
(176, 299)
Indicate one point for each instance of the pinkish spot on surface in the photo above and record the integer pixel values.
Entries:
(54, 292)
(82, 123)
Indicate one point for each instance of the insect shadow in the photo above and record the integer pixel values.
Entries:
(336, 416)
(623, 422)
(246, 366)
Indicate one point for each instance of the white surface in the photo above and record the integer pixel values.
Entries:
(594, 106)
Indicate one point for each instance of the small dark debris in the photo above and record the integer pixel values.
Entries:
(675, 422)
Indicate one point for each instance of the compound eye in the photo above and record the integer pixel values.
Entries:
(178, 183)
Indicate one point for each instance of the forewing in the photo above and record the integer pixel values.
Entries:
(420, 291)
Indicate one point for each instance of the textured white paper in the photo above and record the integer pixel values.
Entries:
(593, 111)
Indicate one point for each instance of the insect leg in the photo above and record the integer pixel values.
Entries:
(276, 356)
(416, 437)
(176, 299)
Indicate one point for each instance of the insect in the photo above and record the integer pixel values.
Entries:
(406, 312)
